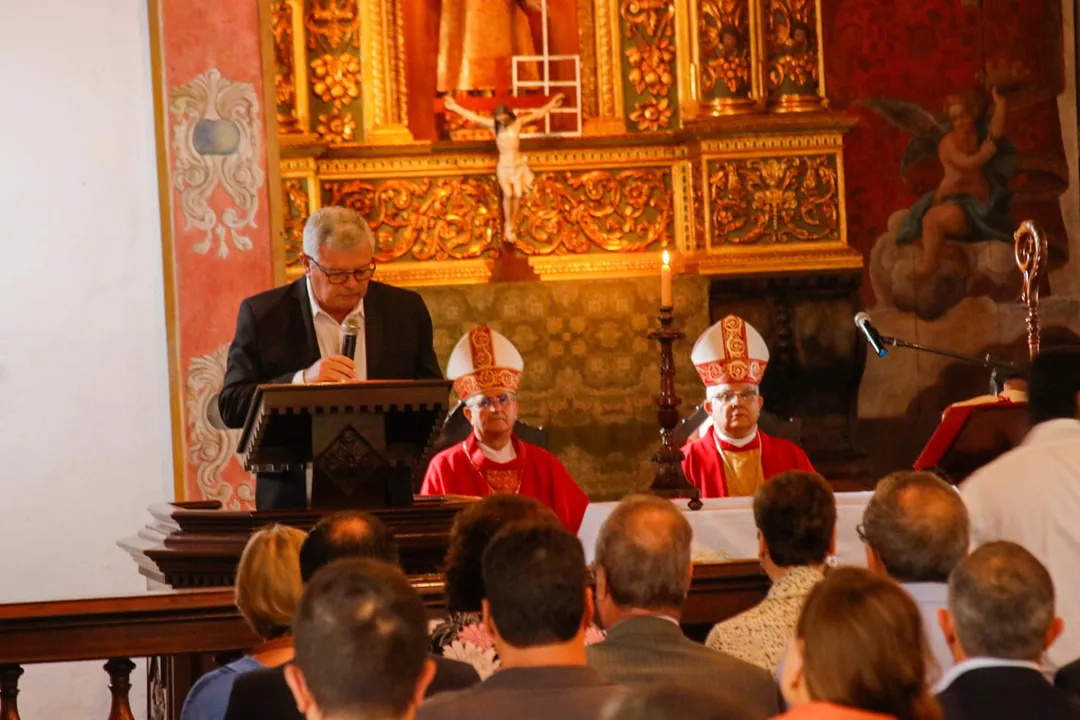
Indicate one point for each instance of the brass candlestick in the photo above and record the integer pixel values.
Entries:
(670, 482)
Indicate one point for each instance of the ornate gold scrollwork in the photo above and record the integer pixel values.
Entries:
(333, 37)
(570, 212)
(725, 43)
(446, 218)
(793, 29)
(650, 57)
(285, 67)
(296, 201)
(774, 200)
(331, 24)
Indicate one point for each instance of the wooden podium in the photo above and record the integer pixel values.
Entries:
(364, 440)
(971, 436)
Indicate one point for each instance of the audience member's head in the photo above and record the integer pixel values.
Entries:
(347, 534)
(795, 514)
(537, 597)
(675, 702)
(1054, 385)
(361, 644)
(860, 643)
(472, 531)
(642, 559)
(1001, 605)
(268, 584)
(915, 527)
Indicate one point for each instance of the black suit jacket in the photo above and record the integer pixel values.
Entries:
(1006, 693)
(264, 694)
(275, 337)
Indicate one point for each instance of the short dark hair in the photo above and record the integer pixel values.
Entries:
(796, 514)
(676, 702)
(918, 525)
(1002, 602)
(346, 534)
(361, 639)
(1054, 383)
(472, 531)
(536, 578)
(644, 550)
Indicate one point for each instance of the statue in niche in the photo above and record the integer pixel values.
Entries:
(513, 173)
(477, 38)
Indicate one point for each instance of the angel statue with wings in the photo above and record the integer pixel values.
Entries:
(972, 202)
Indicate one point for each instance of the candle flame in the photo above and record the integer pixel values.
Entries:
(667, 258)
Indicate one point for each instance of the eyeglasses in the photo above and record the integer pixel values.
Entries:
(860, 530)
(340, 277)
(487, 403)
(731, 396)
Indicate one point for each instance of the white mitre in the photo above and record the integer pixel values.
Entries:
(731, 351)
(484, 360)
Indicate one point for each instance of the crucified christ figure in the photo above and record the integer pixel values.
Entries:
(513, 173)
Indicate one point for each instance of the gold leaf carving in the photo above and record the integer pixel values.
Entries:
(336, 79)
(793, 45)
(294, 193)
(650, 54)
(775, 200)
(336, 127)
(332, 24)
(571, 212)
(447, 218)
(285, 70)
(725, 48)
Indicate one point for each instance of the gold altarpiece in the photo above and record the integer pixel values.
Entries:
(706, 130)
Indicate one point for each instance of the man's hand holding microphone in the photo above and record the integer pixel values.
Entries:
(339, 367)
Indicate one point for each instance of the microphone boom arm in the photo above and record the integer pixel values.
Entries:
(987, 361)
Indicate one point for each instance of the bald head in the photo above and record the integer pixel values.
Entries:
(1002, 602)
(346, 535)
(918, 525)
(644, 552)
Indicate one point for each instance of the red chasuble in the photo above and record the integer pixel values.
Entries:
(704, 467)
(464, 470)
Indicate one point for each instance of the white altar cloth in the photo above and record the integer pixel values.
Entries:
(724, 528)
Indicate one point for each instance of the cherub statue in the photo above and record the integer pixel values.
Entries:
(513, 173)
(973, 200)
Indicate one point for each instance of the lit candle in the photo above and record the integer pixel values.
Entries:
(665, 281)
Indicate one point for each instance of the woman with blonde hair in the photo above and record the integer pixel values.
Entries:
(859, 653)
(268, 589)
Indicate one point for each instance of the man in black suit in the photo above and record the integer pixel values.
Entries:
(350, 534)
(999, 622)
(642, 577)
(292, 334)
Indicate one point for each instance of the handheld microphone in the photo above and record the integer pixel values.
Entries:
(349, 333)
(862, 321)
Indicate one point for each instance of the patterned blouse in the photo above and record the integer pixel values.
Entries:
(462, 636)
(761, 634)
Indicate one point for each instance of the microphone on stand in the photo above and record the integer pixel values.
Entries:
(862, 321)
(349, 333)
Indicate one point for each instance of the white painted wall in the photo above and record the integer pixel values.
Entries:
(84, 422)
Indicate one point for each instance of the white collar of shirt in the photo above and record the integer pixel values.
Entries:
(737, 442)
(980, 663)
(316, 308)
(500, 456)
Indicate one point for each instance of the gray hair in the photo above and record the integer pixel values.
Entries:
(918, 525)
(644, 550)
(338, 228)
(1002, 602)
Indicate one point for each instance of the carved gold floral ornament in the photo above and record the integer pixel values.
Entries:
(652, 113)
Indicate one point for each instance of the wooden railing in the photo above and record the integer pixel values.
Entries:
(181, 631)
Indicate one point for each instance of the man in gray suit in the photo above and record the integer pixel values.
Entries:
(642, 577)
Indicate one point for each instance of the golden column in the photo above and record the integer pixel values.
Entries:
(727, 48)
(795, 63)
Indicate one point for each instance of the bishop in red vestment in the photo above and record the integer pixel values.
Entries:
(486, 369)
(733, 457)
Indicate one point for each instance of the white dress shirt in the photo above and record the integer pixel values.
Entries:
(1031, 496)
(328, 333)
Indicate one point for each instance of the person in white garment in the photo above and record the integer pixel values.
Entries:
(1031, 494)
